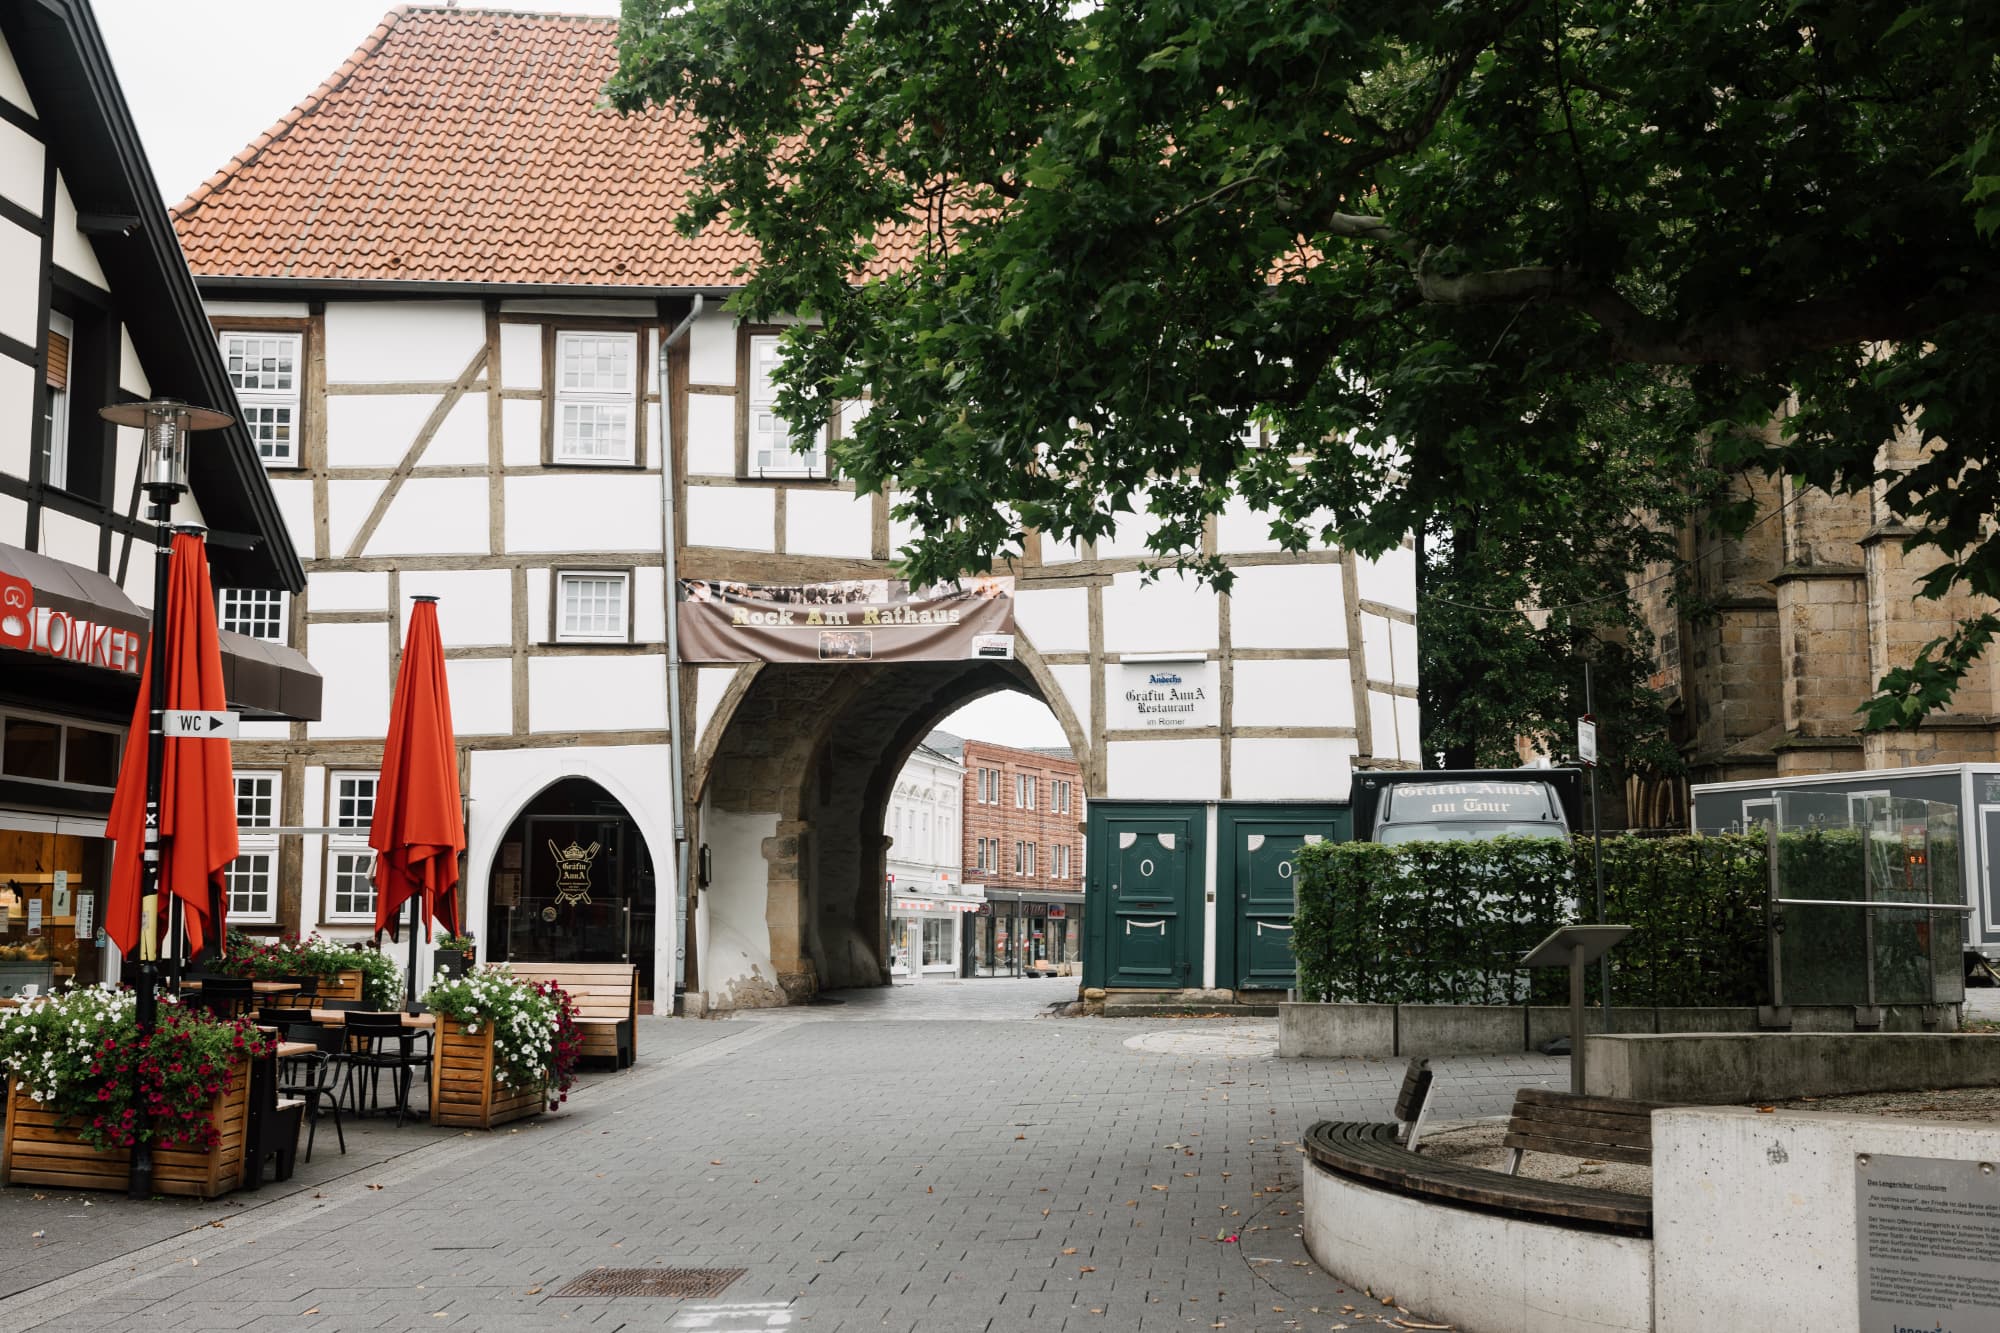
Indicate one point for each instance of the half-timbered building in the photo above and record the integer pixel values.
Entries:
(490, 369)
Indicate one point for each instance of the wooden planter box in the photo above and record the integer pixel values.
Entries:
(37, 1148)
(341, 985)
(463, 1091)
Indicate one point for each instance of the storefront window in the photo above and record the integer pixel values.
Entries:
(938, 942)
(90, 758)
(32, 749)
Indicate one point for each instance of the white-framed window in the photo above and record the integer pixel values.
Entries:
(1024, 858)
(1024, 790)
(251, 880)
(55, 416)
(1059, 861)
(593, 606)
(1059, 796)
(773, 449)
(597, 397)
(350, 870)
(257, 612)
(265, 370)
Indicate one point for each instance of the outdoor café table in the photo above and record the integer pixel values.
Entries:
(338, 1018)
(256, 987)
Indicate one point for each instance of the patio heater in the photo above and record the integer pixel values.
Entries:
(166, 423)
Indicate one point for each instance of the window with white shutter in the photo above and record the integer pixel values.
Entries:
(773, 450)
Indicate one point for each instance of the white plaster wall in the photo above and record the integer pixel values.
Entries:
(12, 89)
(1390, 580)
(475, 606)
(1403, 651)
(21, 265)
(435, 515)
(1294, 693)
(1291, 769)
(13, 519)
(538, 605)
(1287, 606)
(347, 592)
(354, 661)
(311, 874)
(602, 308)
(592, 693)
(1479, 1271)
(827, 522)
(20, 168)
(1239, 529)
(649, 604)
(710, 684)
(521, 356)
(482, 696)
(711, 447)
(1059, 552)
(1055, 620)
(69, 539)
(461, 437)
(901, 530)
(1172, 613)
(502, 781)
(254, 309)
(1755, 1215)
(738, 518)
(1382, 725)
(731, 933)
(1375, 648)
(295, 505)
(1128, 535)
(131, 372)
(17, 418)
(1183, 770)
(712, 350)
(1073, 680)
(374, 429)
(613, 512)
(1409, 735)
(347, 506)
(390, 342)
(70, 248)
(521, 432)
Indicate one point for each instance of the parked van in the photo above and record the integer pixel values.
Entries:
(1448, 806)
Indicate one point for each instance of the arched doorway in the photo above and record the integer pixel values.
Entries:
(573, 882)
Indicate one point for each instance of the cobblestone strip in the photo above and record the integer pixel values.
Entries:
(105, 1283)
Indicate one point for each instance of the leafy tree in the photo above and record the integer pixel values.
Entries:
(1422, 243)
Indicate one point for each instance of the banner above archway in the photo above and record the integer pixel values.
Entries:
(856, 620)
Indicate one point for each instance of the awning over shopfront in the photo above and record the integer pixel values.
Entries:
(932, 903)
(76, 618)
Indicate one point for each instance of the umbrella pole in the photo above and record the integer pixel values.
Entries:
(139, 1184)
(410, 977)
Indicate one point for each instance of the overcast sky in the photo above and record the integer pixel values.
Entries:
(205, 77)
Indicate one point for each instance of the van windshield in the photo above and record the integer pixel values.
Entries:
(1450, 802)
(1466, 831)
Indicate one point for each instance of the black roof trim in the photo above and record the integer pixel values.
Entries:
(94, 141)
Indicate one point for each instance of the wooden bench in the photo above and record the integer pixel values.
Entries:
(1609, 1129)
(607, 1003)
(1413, 1103)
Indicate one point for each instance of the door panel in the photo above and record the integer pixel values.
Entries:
(1259, 865)
(1149, 866)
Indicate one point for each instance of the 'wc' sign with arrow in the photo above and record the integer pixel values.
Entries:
(199, 724)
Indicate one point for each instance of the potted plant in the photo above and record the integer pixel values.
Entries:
(346, 971)
(85, 1087)
(454, 956)
(505, 1048)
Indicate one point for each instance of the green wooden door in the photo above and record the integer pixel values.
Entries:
(1254, 914)
(1152, 917)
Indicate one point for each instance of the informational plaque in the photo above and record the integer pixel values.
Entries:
(1928, 1236)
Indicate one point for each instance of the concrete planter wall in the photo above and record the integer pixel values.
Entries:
(1387, 1031)
(1723, 1068)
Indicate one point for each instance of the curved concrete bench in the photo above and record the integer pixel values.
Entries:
(1476, 1247)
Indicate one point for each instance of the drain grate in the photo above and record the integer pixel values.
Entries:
(675, 1283)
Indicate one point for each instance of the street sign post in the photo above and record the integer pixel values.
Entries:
(199, 723)
(1586, 740)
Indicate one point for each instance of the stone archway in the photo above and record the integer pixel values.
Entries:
(793, 787)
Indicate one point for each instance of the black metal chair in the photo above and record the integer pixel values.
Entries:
(281, 1019)
(225, 997)
(305, 995)
(315, 1077)
(272, 1131)
(378, 1043)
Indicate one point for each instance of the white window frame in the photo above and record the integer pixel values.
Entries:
(1024, 791)
(762, 455)
(241, 877)
(259, 398)
(578, 397)
(1059, 861)
(559, 606)
(55, 472)
(351, 844)
(238, 608)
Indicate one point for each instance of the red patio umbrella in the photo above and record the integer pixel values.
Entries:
(418, 829)
(197, 789)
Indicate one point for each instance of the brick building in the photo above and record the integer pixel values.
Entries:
(1023, 823)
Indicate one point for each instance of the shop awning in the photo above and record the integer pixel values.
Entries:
(79, 619)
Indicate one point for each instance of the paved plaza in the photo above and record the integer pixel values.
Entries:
(937, 1157)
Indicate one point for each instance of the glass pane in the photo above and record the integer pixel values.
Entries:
(32, 749)
(354, 802)
(271, 428)
(598, 363)
(256, 800)
(248, 880)
(90, 758)
(262, 362)
(593, 607)
(353, 891)
(595, 431)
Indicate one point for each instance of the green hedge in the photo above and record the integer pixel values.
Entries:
(1447, 922)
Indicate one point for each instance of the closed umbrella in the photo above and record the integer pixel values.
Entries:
(418, 830)
(197, 789)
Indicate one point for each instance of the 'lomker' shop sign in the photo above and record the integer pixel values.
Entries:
(858, 620)
(29, 628)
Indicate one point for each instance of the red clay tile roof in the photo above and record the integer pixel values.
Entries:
(463, 145)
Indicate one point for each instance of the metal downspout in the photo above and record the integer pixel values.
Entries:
(676, 776)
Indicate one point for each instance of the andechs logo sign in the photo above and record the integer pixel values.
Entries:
(29, 628)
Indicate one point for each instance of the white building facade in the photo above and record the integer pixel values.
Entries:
(928, 898)
(517, 389)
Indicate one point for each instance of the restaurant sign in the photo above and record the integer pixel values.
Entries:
(1165, 696)
(29, 628)
(857, 620)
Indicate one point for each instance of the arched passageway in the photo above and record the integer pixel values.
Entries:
(792, 781)
(573, 882)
